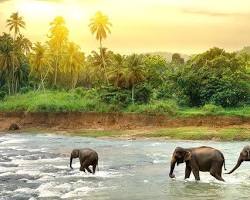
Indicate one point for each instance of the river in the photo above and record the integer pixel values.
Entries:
(36, 166)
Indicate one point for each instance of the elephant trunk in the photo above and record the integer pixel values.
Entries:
(171, 175)
(236, 166)
(70, 164)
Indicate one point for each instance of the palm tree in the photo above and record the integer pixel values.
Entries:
(100, 61)
(9, 61)
(100, 25)
(24, 44)
(39, 63)
(58, 40)
(117, 73)
(15, 22)
(74, 60)
(135, 72)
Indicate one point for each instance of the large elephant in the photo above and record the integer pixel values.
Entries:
(86, 157)
(244, 156)
(205, 159)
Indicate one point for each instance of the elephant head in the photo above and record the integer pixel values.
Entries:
(244, 156)
(180, 155)
(74, 154)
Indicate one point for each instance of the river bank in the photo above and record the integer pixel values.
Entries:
(130, 125)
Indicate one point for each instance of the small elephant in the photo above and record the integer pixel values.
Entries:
(14, 127)
(205, 159)
(244, 156)
(87, 157)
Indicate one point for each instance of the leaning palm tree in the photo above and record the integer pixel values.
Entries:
(100, 25)
(39, 63)
(135, 72)
(15, 22)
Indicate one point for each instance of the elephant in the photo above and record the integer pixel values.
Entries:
(244, 156)
(205, 159)
(14, 127)
(87, 157)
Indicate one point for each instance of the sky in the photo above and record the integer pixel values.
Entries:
(184, 26)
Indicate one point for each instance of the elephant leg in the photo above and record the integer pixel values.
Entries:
(216, 172)
(87, 168)
(187, 172)
(217, 176)
(82, 168)
(84, 164)
(196, 173)
(94, 168)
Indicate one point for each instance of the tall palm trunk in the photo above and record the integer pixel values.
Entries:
(103, 62)
(55, 76)
(72, 79)
(71, 74)
(9, 86)
(13, 79)
(133, 94)
(16, 84)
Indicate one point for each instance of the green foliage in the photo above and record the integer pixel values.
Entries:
(106, 81)
(211, 109)
(142, 93)
(157, 107)
(115, 96)
(52, 101)
(155, 67)
(177, 59)
(214, 76)
(2, 94)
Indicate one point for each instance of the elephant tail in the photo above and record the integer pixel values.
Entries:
(225, 165)
(224, 162)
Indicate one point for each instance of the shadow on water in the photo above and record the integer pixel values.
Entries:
(38, 166)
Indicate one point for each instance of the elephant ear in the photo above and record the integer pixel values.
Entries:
(188, 156)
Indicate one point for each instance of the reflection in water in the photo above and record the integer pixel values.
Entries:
(37, 167)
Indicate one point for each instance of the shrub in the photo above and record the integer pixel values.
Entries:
(211, 108)
(2, 94)
(115, 96)
(79, 91)
(157, 107)
(142, 94)
(230, 97)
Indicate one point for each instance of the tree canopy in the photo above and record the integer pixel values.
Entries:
(212, 77)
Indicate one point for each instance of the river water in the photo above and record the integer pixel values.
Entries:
(36, 166)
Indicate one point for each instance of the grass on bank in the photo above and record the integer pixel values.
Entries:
(203, 133)
(60, 101)
(183, 133)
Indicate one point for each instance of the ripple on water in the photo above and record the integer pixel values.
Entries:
(78, 192)
(32, 167)
(14, 141)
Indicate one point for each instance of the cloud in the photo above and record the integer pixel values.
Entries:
(214, 14)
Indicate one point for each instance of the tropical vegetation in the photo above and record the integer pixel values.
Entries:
(57, 75)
